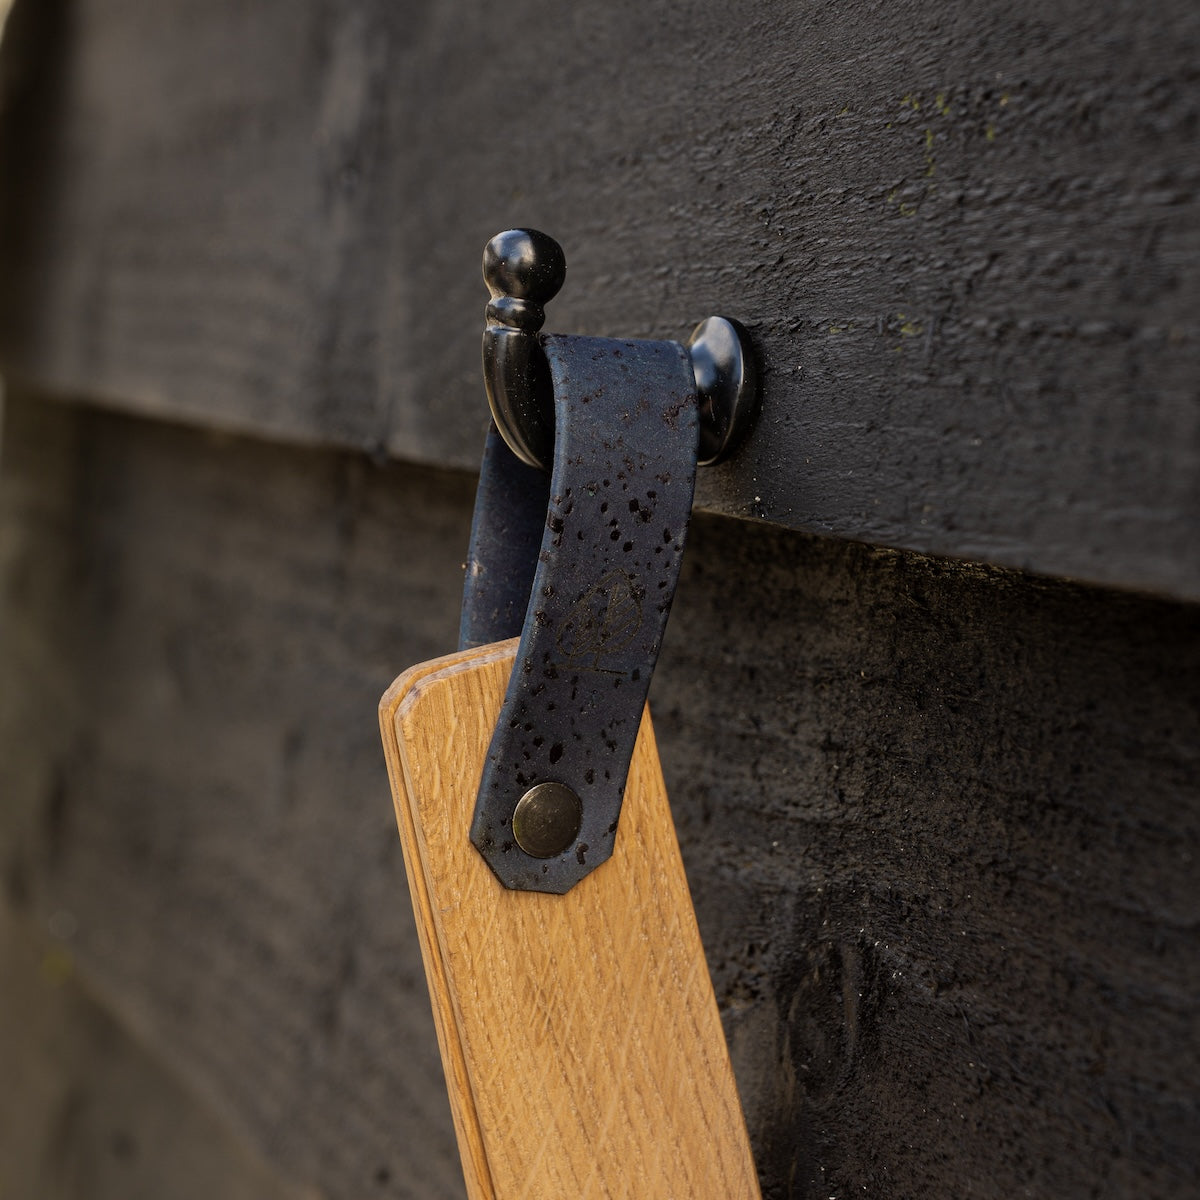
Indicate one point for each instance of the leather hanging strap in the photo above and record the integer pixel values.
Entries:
(506, 534)
(624, 473)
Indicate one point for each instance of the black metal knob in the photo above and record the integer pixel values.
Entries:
(726, 372)
(524, 270)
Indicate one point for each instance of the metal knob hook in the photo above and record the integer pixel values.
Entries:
(524, 270)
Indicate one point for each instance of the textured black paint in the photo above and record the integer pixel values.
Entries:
(966, 238)
(942, 825)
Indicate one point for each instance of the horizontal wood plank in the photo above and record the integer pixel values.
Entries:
(192, 778)
(940, 821)
(967, 241)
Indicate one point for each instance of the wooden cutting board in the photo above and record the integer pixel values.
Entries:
(580, 1035)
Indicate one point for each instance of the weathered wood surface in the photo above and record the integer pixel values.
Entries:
(580, 1034)
(193, 640)
(86, 1111)
(967, 240)
(940, 822)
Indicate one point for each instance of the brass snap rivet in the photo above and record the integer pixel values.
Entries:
(547, 819)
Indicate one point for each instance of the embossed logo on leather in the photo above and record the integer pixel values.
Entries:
(606, 618)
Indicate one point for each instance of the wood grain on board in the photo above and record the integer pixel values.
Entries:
(580, 1034)
(966, 239)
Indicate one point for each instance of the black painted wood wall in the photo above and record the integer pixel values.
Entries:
(939, 812)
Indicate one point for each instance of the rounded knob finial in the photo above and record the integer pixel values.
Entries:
(524, 270)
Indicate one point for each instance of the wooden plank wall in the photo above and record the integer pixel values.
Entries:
(940, 822)
(940, 814)
(965, 238)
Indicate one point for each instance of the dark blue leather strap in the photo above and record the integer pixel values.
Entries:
(506, 534)
(613, 534)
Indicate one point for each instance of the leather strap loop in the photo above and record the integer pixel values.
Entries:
(506, 534)
(625, 453)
